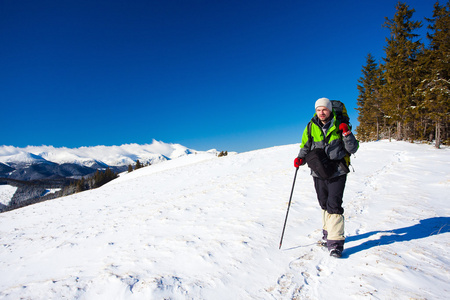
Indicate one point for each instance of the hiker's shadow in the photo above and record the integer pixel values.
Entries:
(425, 228)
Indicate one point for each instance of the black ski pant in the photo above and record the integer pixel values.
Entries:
(330, 193)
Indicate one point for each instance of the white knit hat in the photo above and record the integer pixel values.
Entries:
(325, 102)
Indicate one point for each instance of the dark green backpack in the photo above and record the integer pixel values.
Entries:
(341, 113)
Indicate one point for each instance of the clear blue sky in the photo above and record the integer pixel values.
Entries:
(231, 75)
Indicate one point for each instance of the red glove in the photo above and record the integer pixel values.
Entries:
(344, 128)
(298, 162)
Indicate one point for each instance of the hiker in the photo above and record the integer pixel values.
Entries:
(328, 136)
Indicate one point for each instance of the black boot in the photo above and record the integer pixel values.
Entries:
(336, 253)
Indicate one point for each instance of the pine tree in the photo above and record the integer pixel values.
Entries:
(100, 178)
(80, 186)
(400, 69)
(130, 168)
(435, 87)
(369, 101)
(138, 165)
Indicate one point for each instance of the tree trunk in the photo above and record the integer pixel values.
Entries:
(378, 131)
(438, 135)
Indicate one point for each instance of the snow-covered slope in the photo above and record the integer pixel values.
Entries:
(88, 156)
(6, 193)
(202, 227)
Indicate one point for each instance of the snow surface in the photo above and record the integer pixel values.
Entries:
(202, 227)
(6, 193)
(88, 156)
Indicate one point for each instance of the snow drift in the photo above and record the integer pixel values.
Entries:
(202, 227)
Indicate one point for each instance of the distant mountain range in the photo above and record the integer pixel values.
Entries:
(48, 162)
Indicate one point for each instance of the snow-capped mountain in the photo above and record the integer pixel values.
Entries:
(202, 227)
(15, 162)
(22, 158)
(87, 156)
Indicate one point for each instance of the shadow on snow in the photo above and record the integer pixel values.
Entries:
(425, 228)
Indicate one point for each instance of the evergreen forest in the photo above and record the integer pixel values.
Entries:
(406, 95)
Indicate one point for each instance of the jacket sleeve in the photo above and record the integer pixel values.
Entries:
(350, 143)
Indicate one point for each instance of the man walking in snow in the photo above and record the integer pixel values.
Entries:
(325, 132)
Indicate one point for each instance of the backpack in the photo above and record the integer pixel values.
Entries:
(341, 112)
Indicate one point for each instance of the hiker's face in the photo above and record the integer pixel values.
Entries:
(323, 113)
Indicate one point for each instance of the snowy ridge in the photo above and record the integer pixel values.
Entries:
(202, 227)
(92, 156)
(23, 157)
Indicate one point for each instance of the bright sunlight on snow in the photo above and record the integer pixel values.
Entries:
(203, 227)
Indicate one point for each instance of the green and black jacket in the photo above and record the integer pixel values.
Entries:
(328, 137)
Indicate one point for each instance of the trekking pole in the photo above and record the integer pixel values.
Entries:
(289, 205)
